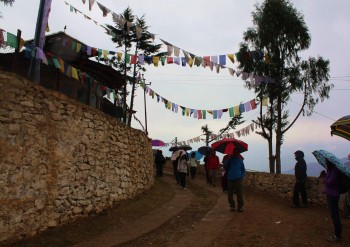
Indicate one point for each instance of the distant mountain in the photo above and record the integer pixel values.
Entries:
(313, 169)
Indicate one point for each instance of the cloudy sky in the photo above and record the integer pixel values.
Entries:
(209, 28)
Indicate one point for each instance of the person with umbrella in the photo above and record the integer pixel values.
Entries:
(205, 159)
(331, 180)
(235, 171)
(300, 180)
(193, 165)
(182, 169)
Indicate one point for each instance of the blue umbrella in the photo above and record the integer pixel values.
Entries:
(198, 155)
(322, 156)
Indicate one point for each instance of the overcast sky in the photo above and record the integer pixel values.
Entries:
(208, 28)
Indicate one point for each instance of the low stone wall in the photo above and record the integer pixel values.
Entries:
(282, 185)
(60, 160)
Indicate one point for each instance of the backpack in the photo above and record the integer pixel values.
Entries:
(344, 183)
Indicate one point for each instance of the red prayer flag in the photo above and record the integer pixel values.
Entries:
(169, 60)
(253, 104)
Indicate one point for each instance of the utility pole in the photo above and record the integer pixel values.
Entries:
(39, 39)
(144, 100)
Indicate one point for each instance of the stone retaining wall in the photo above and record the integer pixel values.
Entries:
(60, 160)
(282, 185)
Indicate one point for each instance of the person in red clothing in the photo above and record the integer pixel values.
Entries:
(213, 164)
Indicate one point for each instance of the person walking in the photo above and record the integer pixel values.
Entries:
(205, 159)
(213, 167)
(300, 180)
(235, 171)
(182, 170)
(175, 160)
(193, 165)
(160, 161)
(331, 189)
(346, 208)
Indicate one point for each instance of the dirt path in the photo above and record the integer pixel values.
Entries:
(144, 224)
(199, 216)
(267, 221)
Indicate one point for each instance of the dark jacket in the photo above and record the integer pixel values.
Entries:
(234, 167)
(159, 159)
(331, 182)
(300, 167)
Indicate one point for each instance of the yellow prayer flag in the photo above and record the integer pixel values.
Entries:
(105, 53)
(78, 48)
(236, 110)
(62, 64)
(190, 62)
(264, 101)
(231, 57)
(75, 73)
(47, 27)
(21, 43)
(119, 56)
(267, 58)
(155, 61)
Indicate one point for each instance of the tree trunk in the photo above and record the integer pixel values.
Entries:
(270, 140)
(132, 91)
(125, 108)
(278, 135)
(271, 157)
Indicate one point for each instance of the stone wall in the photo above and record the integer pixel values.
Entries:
(282, 185)
(60, 160)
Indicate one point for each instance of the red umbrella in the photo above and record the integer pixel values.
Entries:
(227, 145)
(157, 143)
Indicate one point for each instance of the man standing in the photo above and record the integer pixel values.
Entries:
(235, 171)
(300, 180)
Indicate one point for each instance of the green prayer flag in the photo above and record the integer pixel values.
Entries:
(56, 63)
(12, 40)
(127, 58)
(231, 111)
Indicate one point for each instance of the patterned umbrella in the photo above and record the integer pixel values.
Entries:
(341, 127)
(157, 143)
(227, 145)
(322, 156)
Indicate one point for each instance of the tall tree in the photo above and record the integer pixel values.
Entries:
(6, 2)
(131, 32)
(271, 49)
